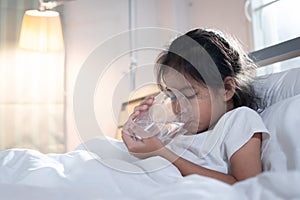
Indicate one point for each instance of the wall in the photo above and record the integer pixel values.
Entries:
(96, 40)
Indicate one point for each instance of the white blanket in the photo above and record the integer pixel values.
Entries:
(28, 174)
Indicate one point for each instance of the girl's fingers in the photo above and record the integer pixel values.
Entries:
(141, 108)
(145, 104)
(148, 101)
(127, 139)
(130, 139)
(129, 125)
(134, 114)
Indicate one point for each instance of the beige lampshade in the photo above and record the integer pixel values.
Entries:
(41, 31)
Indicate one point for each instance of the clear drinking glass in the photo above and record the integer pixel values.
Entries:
(165, 118)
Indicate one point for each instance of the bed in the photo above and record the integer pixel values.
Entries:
(101, 169)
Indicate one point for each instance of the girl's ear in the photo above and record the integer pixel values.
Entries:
(230, 86)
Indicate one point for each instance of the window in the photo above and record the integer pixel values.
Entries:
(275, 21)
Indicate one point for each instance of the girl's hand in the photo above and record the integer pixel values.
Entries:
(140, 147)
(129, 125)
(143, 148)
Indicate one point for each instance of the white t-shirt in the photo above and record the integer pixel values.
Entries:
(213, 149)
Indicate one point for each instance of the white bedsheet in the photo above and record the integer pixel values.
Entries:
(28, 174)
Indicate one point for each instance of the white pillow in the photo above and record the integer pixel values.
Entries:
(275, 87)
(283, 121)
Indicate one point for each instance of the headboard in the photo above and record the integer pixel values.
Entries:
(275, 87)
(276, 53)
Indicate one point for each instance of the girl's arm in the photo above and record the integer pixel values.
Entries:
(245, 162)
(186, 168)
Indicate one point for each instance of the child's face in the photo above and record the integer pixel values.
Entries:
(207, 105)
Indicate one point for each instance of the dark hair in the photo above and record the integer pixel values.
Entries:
(207, 57)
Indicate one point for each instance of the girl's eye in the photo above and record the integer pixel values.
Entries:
(191, 96)
(170, 94)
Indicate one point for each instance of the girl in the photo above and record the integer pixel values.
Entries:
(225, 139)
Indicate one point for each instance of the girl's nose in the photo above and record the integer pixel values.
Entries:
(176, 106)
